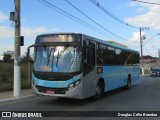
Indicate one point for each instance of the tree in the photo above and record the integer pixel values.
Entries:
(7, 56)
(24, 58)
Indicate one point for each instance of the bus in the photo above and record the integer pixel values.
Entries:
(74, 65)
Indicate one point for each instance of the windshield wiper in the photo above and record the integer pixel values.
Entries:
(57, 58)
(49, 56)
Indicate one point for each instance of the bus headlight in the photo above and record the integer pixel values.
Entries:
(71, 86)
(74, 84)
(77, 83)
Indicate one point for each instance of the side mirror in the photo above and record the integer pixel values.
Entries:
(31, 54)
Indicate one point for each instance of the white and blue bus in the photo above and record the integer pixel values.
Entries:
(79, 66)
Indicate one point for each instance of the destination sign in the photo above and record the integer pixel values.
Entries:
(58, 38)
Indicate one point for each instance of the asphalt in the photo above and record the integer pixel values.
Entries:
(8, 96)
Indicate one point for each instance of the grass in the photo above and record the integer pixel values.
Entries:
(7, 76)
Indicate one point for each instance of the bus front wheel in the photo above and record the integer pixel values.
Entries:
(99, 90)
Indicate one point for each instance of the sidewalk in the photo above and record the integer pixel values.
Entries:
(8, 96)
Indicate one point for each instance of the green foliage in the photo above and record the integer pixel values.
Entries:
(7, 76)
(24, 58)
(7, 56)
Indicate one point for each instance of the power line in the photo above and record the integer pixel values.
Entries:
(94, 21)
(89, 26)
(110, 14)
(99, 24)
(147, 2)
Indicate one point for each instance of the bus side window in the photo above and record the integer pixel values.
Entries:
(111, 55)
(118, 56)
(89, 55)
(101, 54)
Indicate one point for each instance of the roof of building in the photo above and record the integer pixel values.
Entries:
(148, 60)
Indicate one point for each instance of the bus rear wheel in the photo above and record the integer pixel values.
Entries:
(128, 86)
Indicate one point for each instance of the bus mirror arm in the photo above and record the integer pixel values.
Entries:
(31, 58)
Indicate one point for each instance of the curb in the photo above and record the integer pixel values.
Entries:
(17, 98)
(144, 75)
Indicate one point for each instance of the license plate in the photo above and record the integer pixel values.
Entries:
(49, 91)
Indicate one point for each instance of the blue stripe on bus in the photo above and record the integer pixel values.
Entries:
(54, 84)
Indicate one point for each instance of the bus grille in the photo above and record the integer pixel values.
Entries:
(56, 90)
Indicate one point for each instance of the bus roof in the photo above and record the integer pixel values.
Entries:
(94, 39)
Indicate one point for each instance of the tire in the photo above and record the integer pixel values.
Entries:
(128, 86)
(99, 90)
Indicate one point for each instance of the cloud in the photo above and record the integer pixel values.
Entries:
(136, 37)
(8, 32)
(7, 37)
(2, 17)
(132, 4)
(151, 18)
(134, 41)
(32, 32)
(151, 48)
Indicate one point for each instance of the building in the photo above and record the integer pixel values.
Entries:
(148, 64)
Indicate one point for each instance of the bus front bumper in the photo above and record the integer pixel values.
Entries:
(72, 93)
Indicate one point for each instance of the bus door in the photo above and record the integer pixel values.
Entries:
(89, 56)
(89, 66)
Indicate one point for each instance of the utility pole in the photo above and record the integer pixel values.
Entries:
(159, 57)
(17, 54)
(141, 46)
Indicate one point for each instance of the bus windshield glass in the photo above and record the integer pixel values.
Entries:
(65, 59)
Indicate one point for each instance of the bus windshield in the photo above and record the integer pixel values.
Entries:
(65, 59)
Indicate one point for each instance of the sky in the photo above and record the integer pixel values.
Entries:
(37, 18)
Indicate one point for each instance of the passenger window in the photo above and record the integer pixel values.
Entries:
(111, 55)
(101, 54)
(119, 57)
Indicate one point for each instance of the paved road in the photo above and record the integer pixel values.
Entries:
(143, 96)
